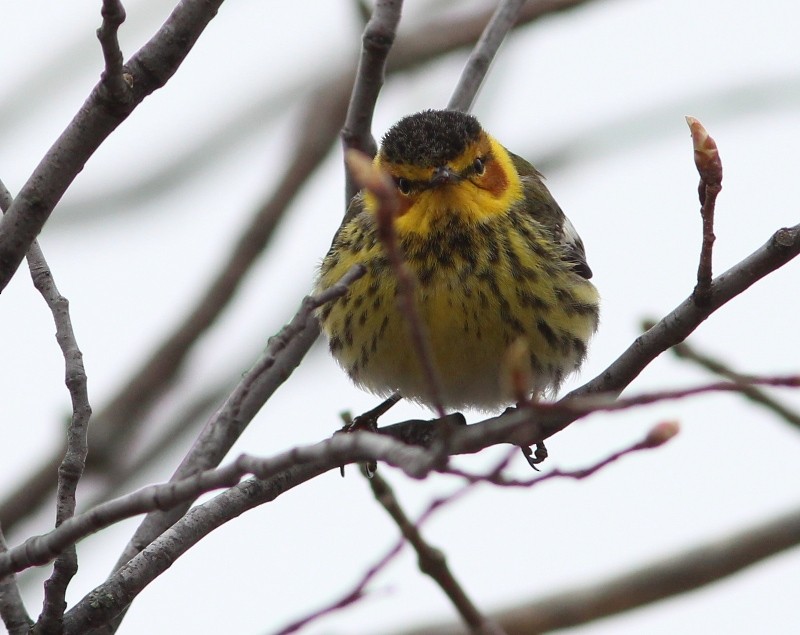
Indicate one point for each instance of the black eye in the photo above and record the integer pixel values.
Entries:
(404, 186)
(479, 166)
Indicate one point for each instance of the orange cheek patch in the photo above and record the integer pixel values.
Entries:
(494, 180)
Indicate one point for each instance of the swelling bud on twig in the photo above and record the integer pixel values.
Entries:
(661, 433)
(706, 154)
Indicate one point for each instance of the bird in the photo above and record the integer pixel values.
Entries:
(497, 264)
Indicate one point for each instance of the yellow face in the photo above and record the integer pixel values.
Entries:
(478, 184)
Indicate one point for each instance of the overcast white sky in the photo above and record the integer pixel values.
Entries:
(611, 83)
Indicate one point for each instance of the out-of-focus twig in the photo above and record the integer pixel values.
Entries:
(685, 351)
(706, 158)
(483, 53)
(678, 573)
(376, 43)
(194, 412)
(380, 185)
(432, 561)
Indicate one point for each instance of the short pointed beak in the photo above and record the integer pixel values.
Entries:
(443, 175)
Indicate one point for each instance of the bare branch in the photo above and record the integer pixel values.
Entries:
(112, 77)
(12, 608)
(321, 457)
(432, 561)
(482, 55)
(280, 474)
(74, 461)
(99, 116)
(376, 43)
(706, 158)
(678, 573)
(685, 351)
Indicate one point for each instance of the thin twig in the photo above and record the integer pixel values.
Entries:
(706, 158)
(112, 77)
(74, 461)
(685, 351)
(12, 608)
(381, 186)
(432, 561)
(358, 592)
(482, 55)
(600, 403)
(783, 246)
(376, 43)
(675, 574)
(656, 437)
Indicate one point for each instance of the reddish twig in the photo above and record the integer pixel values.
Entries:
(685, 351)
(358, 592)
(656, 437)
(706, 158)
(483, 53)
(381, 186)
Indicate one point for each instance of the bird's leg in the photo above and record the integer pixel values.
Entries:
(368, 422)
(534, 458)
(537, 457)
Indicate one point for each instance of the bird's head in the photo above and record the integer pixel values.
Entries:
(442, 161)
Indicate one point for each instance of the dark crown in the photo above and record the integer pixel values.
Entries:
(430, 138)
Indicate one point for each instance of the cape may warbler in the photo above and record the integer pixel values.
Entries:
(495, 259)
